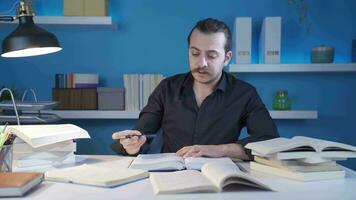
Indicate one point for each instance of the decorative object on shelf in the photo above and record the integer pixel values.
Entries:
(85, 7)
(281, 101)
(75, 98)
(111, 98)
(322, 54)
(27, 39)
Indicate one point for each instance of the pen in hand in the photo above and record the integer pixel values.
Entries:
(130, 136)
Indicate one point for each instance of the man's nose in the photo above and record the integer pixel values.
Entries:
(202, 62)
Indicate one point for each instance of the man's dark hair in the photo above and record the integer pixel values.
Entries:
(210, 25)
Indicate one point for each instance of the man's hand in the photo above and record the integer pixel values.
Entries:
(133, 144)
(200, 150)
(232, 150)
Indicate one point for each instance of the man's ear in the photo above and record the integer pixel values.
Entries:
(228, 56)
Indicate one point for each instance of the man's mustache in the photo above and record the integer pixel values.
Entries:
(199, 70)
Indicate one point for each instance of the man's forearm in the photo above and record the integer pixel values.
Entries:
(233, 150)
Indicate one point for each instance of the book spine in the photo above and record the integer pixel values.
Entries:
(270, 41)
(243, 40)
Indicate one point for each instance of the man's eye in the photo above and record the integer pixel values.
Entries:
(212, 56)
(195, 54)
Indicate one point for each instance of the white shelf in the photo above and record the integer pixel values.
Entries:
(314, 67)
(71, 20)
(110, 114)
(94, 114)
(294, 114)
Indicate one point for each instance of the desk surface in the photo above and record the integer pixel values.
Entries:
(284, 189)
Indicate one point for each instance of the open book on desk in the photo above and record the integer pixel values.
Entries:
(214, 177)
(170, 162)
(103, 174)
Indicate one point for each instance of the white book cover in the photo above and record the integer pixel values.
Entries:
(141, 92)
(42, 135)
(85, 78)
(270, 40)
(243, 40)
(299, 176)
(146, 88)
(127, 91)
(136, 97)
(23, 163)
(69, 145)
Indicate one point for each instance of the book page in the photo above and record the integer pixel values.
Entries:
(276, 145)
(198, 162)
(180, 182)
(161, 161)
(325, 145)
(222, 175)
(95, 175)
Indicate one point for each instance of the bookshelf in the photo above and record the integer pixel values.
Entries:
(87, 21)
(116, 114)
(287, 68)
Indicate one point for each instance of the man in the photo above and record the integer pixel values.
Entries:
(202, 112)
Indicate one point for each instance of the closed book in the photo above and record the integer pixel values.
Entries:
(102, 176)
(18, 183)
(86, 78)
(42, 135)
(298, 166)
(270, 41)
(65, 146)
(243, 40)
(299, 176)
(32, 162)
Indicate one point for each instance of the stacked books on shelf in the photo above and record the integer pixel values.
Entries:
(44, 145)
(300, 158)
(138, 87)
(76, 80)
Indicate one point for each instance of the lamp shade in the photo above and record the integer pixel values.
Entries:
(29, 40)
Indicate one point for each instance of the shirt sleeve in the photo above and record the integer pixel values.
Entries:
(149, 121)
(259, 123)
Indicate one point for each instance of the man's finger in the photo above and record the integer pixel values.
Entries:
(182, 151)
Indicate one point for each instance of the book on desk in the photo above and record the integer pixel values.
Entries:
(300, 158)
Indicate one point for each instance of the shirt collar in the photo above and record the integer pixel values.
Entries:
(189, 80)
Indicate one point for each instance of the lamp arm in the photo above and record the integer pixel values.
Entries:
(7, 18)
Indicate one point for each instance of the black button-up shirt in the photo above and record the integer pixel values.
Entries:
(233, 105)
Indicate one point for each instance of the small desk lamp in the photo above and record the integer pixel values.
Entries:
(27, 39)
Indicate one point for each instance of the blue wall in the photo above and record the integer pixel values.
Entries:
(151, 38)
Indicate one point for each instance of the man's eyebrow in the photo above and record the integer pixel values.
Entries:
(213, 51)
(195, 48)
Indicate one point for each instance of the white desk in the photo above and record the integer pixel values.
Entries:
(285, 189)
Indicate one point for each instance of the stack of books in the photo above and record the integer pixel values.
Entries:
(138, 87)
(300, 158)
(44, 145)
(76, 80)
(59, 153)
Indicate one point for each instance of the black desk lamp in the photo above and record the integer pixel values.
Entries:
(27, 39)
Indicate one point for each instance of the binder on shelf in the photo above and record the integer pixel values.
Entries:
(270, 41)
(243, 40)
